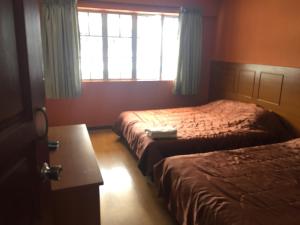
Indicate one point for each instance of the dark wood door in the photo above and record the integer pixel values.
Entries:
(21, 94)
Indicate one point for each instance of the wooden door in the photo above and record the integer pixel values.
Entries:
(21, 94)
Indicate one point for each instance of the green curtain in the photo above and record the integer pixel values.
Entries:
(61, 48)
(190, 50)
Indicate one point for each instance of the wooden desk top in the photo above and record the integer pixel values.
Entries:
(77, 157)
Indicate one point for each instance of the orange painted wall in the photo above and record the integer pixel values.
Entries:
(101, 102)
(259, 32)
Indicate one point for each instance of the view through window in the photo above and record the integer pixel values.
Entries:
(128, 46)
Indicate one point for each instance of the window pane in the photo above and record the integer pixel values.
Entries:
(95, 24)
(90, 25)
(91, 57)
(119, 25)
(148, 47)
(119, 68)
(170, 48)
(113, 25)
(157, 46)
(126, 25)
(119, 29)
(119, 58)
(83, 20)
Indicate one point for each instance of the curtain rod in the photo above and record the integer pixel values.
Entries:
(175, 8)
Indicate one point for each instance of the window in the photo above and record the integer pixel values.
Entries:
(148, 47)
(119, 32)
(128, 46)
(91, 41)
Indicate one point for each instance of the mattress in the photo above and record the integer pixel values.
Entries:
(222, 124)
(248, 186)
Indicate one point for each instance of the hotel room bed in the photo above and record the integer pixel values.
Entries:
(222, 124)
(249, 186)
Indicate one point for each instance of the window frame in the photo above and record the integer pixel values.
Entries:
(134, 38)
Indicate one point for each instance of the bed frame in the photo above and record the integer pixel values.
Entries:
(273, 87)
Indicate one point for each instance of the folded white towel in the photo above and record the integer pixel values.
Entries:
(161, 132)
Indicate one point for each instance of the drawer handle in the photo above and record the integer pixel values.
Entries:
(51, 172)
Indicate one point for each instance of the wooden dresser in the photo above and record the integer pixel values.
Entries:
(76, 199)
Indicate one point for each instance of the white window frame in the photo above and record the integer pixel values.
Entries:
(134, 42)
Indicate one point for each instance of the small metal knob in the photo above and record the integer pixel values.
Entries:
(51, 172)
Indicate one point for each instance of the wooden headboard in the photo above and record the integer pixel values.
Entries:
(273, 87)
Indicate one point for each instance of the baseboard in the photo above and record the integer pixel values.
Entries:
(99, 127)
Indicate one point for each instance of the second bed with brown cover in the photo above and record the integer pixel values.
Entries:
(249, 186)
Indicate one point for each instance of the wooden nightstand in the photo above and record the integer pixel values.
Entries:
(76, 199)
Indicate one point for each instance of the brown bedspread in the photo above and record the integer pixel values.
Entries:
(223, 124)
(250, 186)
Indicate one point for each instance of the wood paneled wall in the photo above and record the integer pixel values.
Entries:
(273, 87)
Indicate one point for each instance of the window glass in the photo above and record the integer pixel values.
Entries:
(126, 25)
(156, 46)
(148, 47)
(119, 58)
(91, 57)
(170, 47)
(90, 27)
(83, 20)
(95, 24)
(119, 29)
